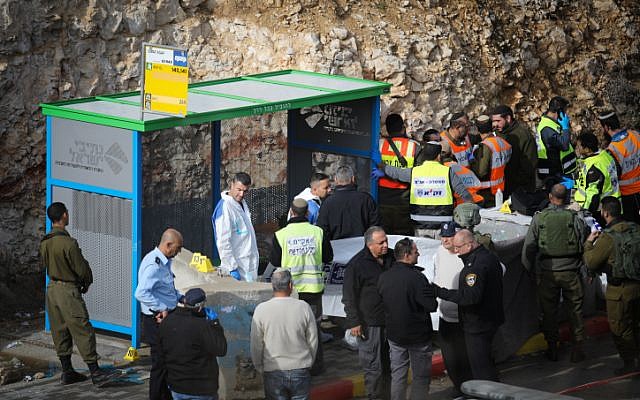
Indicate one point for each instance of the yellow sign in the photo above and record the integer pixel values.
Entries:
(166, 80)
(201, 263)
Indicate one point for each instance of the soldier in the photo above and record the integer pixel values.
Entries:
(69, 278)
(616, 252)
(554, 243)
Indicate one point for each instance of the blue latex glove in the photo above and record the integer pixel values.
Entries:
(236, 275)
(377, 173)
(376, 157)
(568, 183)
(211, 315)
(564, 121)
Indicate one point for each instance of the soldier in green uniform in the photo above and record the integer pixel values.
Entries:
(554, 244)
(69, 278)
(616, 252)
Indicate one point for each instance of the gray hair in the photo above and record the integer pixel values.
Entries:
(280, 280)
(368, 234)
(344, 174)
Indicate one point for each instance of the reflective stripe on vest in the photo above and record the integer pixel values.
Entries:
(301, 245)
(469, 179)
(626, 150)
(462, 153)
(605, 164)
(500, 155)
(431, 218)
(568, 158)
(407, 148)
(430, 185)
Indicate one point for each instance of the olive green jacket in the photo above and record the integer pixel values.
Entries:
(599, 256)
(63, 258)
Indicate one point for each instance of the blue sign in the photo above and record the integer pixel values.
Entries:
(180, 58)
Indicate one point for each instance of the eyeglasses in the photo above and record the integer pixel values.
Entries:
(461, 246)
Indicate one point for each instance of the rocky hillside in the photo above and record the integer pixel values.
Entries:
(440, 56)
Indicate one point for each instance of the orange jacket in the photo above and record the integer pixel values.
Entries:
(626, 150)
(469, 179)
(500, 155)
(462, 153)
(408, 148)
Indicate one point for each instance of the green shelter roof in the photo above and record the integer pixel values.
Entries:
(221, 99)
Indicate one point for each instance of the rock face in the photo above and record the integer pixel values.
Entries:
(441, 57)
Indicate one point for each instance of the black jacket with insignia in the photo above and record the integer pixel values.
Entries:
(479, 294)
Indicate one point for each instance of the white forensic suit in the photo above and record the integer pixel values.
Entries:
(235, 237)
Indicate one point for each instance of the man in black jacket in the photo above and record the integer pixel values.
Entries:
(190, 339)
(347, 212)
(479, 299)
(408, 299)
(365, 312)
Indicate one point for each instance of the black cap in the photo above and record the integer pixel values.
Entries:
(448, 229)
(194, 296)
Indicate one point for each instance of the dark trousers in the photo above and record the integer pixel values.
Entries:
(631, 207)
(454, 350)
(158, 387)
(373, 352)
(315, 302)
(480, 357)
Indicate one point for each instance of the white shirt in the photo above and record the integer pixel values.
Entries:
(447, 271)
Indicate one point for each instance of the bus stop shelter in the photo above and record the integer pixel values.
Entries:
(94, 162)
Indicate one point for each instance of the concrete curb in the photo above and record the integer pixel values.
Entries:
(353, 386)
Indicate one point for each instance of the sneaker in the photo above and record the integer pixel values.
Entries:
(100, 377)
(71, 377)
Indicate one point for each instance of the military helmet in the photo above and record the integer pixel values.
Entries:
(467, 215)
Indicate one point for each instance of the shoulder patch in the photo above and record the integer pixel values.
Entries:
(470, 279)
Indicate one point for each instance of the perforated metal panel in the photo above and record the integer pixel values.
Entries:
(102, 226)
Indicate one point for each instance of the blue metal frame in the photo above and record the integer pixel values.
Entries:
(216, 152)
(375, 139)
(136, 235)
(47, 326)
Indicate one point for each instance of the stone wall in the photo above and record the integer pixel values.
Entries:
(440, 56)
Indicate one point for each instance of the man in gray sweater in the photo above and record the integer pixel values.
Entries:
(287, 328)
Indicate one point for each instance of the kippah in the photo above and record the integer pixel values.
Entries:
(299, 203)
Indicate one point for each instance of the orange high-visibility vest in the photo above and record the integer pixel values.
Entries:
(408, 148)
(626, 151)
(462, 153)
(469, 179)
(500, 155)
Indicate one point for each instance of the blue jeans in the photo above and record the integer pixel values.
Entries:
(180, 396)
(293, 384)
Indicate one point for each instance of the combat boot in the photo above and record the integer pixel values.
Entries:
(100, 376)
(552, 351)
(577, 354)
(69, 375)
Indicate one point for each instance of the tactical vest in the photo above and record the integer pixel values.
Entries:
(462, 153)
(605, 164)
(568, 158)
(301, 245)
(558, 233)
(500, 156)
(407, 149)
(626, 150)
(627, 251)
